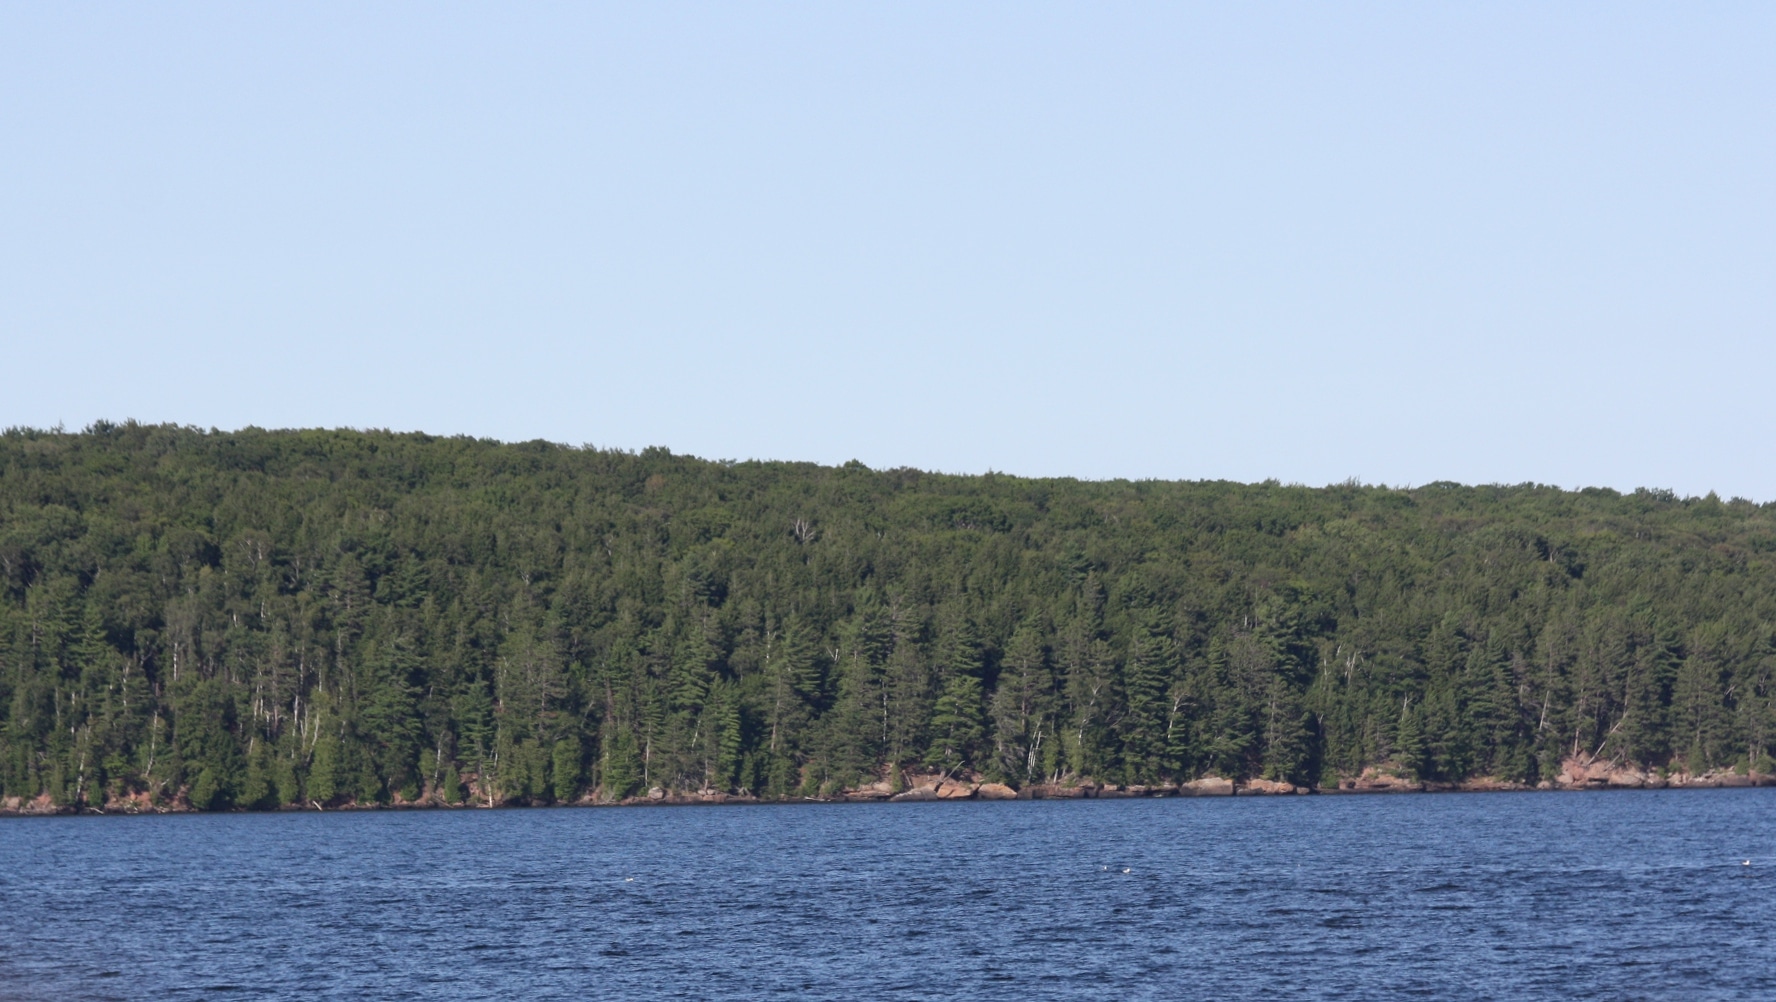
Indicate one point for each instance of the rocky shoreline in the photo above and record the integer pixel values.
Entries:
(1575, 774)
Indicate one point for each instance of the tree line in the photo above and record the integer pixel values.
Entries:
(258, 618)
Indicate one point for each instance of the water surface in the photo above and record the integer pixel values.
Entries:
(1630, 895)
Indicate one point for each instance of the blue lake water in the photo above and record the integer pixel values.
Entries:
(1463, 896)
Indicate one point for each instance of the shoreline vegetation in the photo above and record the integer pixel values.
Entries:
(261, 620)
(1574, 776)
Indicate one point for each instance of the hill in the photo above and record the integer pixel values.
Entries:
(260, 618)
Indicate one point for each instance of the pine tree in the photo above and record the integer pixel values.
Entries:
(958, 720)
(1148, 675)
(564, 771)
(1022, 707)
(1698, 712)
(1410, 749)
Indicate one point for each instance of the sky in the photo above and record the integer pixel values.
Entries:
(1490, 243)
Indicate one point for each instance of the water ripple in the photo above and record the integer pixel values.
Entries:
(1634, 895)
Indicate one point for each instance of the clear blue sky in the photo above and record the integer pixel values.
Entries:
(1412, 242)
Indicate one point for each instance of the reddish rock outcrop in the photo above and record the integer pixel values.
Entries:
(995, 791)
(130, 803)
(1488, 784)
(40, 804)
(1586, 773)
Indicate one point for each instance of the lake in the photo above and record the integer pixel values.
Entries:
(1623, 895)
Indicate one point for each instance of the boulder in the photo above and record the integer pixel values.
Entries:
(996, 791)
(1267, 787)
(1374, 780)
(916, 793)
(655, 793)
(953, 790)
(879, 790)
(1208, 786)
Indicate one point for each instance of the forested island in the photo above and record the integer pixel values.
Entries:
(258, 619)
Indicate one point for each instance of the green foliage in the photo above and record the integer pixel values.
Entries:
(252, 619)
(1023, 704)
(565, 769)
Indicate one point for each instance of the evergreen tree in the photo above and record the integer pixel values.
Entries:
(1022, 707)
(958, 722)
(1149, 673)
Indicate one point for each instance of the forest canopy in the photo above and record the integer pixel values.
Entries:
(260, 618)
